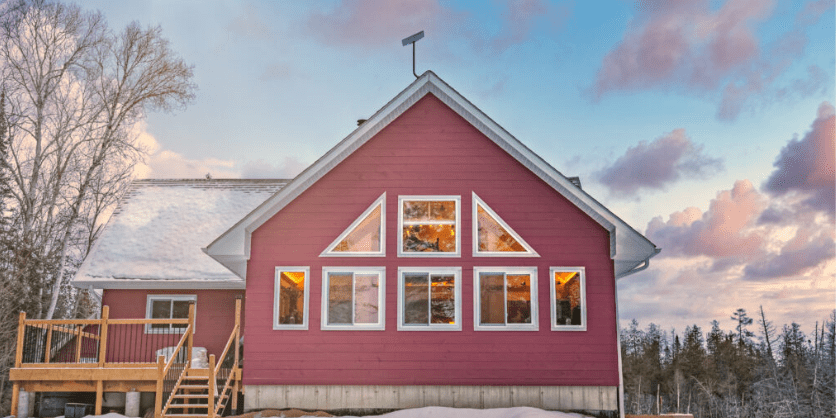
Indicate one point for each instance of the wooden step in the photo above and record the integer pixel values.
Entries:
(188, 405)
(190, 396)
(185, 415)
(203, 387)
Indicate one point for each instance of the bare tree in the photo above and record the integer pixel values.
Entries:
(75, 93)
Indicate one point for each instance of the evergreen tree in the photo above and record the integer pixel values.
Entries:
(742, 318)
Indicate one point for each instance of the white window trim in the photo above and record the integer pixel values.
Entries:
(553, 307)
(477, 300)
(381, 299)
(148, 307)
(381, 201)
(457, 273)
(433, 254)
(475, 220)
(306, 308)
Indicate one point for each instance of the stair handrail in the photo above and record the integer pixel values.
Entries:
(187, 340)
(234, 337)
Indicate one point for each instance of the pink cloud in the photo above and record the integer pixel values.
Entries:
(808, 249)
(370, 23)
(521, 18)
(685, 45)
(683, 41)
(657, 164)
(808, 166)
(724, 230)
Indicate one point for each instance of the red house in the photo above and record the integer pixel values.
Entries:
(429, 258)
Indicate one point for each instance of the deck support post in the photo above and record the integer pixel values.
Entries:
(211, 409)
(158, 399)
(15, 395)
(190, 338)
(99, 395)
(235, 370)
(103, 336)
(132, 404)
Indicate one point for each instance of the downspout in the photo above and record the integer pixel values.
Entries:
(643, 266)
(618, 347)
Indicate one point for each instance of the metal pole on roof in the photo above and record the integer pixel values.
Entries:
(411, 40)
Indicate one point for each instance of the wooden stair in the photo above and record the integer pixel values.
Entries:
(190, 397)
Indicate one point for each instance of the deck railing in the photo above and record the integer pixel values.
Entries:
(96, 342)
(116, 344)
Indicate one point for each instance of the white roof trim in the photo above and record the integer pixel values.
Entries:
(627, 246)
(114, 283)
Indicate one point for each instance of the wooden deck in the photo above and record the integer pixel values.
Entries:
(121, 355)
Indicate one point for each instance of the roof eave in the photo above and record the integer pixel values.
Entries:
(234, 243)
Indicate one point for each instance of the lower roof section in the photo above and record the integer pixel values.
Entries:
(154, 238)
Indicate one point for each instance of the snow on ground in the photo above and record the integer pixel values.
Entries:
(442, 412)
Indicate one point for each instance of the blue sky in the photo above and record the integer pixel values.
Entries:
(707, 125)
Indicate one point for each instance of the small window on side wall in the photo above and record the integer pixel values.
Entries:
(353, 298)
(505, 299)
(429, 299)
(290, 303)
(429, 226)
(168, 307)
(568, 294)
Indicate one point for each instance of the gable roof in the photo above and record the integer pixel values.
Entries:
(154, 237)
(630, 250)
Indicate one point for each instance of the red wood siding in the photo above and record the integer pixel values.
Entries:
(431, 150)
(214, 315)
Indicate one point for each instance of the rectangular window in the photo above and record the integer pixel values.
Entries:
(429, 299)
(353, 298)
(429, 226)
(167, 307)
(505, 299)
(568, 292)
(290, 303)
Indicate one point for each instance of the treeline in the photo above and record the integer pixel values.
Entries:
(754, 370)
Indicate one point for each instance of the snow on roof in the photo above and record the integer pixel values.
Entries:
(154, 238)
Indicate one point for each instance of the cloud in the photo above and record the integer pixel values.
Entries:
(165, 164)
(367, 23)
(726, 229)
(521, 18)
(250, 24)
(685, 45)
(807, 166)
(657, 164)
(805, 251)
(375, 24)
(261, 169)
(276, 71)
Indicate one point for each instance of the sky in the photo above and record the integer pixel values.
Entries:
(706, 125)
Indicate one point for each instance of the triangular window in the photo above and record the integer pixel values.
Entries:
(365, 237)
(493, 237)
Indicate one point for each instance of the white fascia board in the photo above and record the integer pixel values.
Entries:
(113, 283)
(624, 240)
(236, 240)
